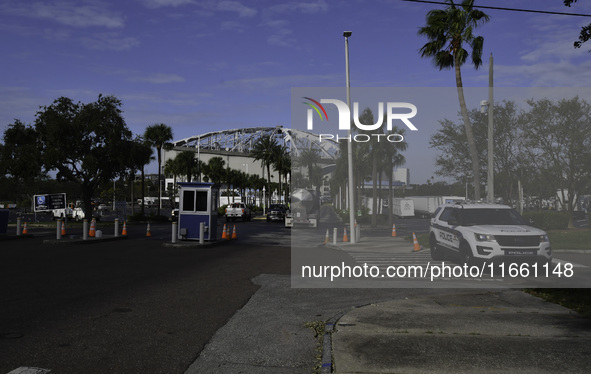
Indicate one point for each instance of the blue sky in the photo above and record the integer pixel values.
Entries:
(202, 66)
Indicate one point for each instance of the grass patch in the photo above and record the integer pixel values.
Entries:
(570, 239)
(559, 239)
(318, 327)
(577, 299)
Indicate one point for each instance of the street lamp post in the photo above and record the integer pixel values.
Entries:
(490, 179)
(264, 198)
(353, 234)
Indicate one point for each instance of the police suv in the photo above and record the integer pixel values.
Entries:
(486, 232)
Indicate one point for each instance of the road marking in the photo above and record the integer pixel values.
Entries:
(29, 370)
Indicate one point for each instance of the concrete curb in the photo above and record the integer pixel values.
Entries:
(196, 244)
(78, 240)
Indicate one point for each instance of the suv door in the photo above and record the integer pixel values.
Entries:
(444, 229)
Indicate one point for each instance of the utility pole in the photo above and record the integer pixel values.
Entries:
(491, 179)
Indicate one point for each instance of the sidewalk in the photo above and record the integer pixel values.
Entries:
(504, 331)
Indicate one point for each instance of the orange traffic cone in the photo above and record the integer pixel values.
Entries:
(124, 232)
(345, 237)
(393, 230)
(415, 243)
(92, 230)
(63, 228)
(148, 232)
(25, 231)
(224, 234)
(234, 236)
(326, 238)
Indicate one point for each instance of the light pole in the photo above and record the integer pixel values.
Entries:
(353, 234)
(491, 176)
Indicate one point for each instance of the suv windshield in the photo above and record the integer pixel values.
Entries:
(471, 217)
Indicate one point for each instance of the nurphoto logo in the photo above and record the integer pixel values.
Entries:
(345, 119)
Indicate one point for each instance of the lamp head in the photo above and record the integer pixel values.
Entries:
(347, 34)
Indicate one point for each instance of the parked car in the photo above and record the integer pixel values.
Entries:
(486, 232)
(238, 210)
(276, 212)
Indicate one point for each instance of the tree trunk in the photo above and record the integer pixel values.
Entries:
(143, 191)
(374, 193)
(159, 150)
(469, 133)
(390, 197)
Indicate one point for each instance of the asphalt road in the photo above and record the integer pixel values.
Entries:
(127, 306)
(134, 305)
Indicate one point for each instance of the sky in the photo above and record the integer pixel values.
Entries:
(201, 66)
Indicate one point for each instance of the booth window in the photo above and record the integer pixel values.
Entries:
(201, 201)
(189, 201)
(194, 201)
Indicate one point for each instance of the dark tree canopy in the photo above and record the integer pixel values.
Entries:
(84, 143)
(585, 34)
(19, 155)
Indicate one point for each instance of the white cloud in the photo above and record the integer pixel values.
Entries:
(67, 13)
(235, 6)
(310, 7)
(158, 78)
(165, 3)
(109, 41)
(233, 26)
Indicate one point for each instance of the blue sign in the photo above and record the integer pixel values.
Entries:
(50, 202)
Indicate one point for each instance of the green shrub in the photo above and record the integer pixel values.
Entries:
(222, 210)
(547, 219)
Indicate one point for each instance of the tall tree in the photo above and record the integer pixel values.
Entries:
(214, 169)
(84, 143)
(140, 156)
(309, 158)
(282, 165)
(265, 150)
(556, 139)
(392, 159)
(20, 155)
(585, 34)
(158, 136)
(448, 30)
(373, 151)
(453, 158)
(187, 164)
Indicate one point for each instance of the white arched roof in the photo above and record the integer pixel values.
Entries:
(242, 141)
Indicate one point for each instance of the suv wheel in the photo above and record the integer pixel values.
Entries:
(466, 254)
(436, 253)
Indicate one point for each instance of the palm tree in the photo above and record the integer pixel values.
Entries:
(373, 151)
(309, 159)
(284, 169)
(171, 167)
(187, 164)
(282, 165)
(158, 136)
(214, 169)
(265, 150)
(141, 155)
(447, 31)
(392, 159)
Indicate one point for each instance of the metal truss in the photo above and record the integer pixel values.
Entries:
(242, 141)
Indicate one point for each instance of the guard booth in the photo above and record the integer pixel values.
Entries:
(198, 202)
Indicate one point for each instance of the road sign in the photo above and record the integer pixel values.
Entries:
(44, 203)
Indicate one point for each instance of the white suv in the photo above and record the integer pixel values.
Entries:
(486, 232)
